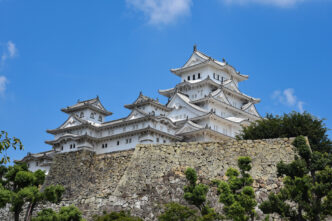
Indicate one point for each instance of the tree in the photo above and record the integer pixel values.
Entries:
(20, 186)
(237, 194)
(177, 212)
(194, 194)
(290, 125)
(117, 216)
(6, 143)
(66, 213)
(307, 191)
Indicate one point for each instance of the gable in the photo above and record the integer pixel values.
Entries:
(134, 115)
(221, 97)
(231, 85)
(70, 122)
(194, 59)
(252, 110)
(188, 127)
(180, 101)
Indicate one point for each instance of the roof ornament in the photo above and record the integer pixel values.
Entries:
(97, 97)
(195, 47)
(140, 93)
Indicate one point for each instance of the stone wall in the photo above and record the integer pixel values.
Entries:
(142, 180)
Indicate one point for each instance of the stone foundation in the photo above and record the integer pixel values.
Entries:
(142, 180)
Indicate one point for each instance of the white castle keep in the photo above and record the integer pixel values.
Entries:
(206, 105)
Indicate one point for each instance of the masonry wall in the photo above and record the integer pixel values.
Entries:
(142, 180)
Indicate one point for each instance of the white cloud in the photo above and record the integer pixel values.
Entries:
(279, 3)
(3, 85)
(300, 106)
(162, 11)
(10, 51)
(287, 97)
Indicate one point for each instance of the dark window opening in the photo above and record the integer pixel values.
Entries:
(199, 76)
(118, 143)
(188, 78)
(193, 77)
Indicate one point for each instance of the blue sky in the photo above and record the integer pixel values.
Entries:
(55, 52)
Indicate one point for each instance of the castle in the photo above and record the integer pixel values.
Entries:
(206, 105)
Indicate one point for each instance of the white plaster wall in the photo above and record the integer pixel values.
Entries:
(32, 165)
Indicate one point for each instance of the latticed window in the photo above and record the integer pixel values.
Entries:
(81, 115)
(92, 115)
(100, 118)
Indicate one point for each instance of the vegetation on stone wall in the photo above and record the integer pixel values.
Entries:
(237, 194)
(21, 186)
(66, 213)
(117, 216)
(307, 191)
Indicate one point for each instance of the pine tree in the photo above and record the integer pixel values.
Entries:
(20, 186)
(237, 194)
(307, 191)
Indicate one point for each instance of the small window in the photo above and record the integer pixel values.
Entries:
(100, 118)
(92, 116)
(218, 77)
(193, 77)
(164, 141)
(102, 146)
(157, 139)
(118, 143)
(188, 78)
(81, 115)
(61, 147)
(71, 146)
(126, 141)
(28, 165)
(105, 145)
(214, 75)
(199, 76)
(37, 163)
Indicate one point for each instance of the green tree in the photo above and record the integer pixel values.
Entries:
(307, 191)
(237, 194)
(20, 186)
(291, 125)
(195, 194)
(177, 212)
(6, 143)
(117, 216)
(66, 213)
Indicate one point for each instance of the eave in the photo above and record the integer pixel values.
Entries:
(117, 123)
(232, 71)
(69, 110)
(214, 100)
(158, 105)
(206, 130)
(125, 134)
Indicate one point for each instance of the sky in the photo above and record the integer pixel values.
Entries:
(53, 53)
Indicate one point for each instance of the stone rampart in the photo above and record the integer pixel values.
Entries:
(142, 180)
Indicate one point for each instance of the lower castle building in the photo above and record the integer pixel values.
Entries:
(206, 105)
